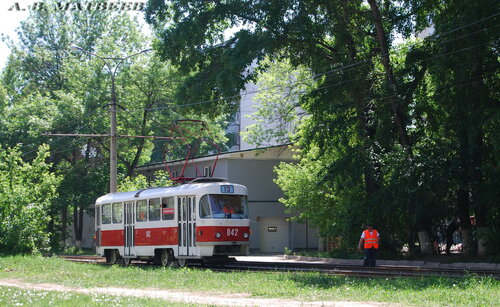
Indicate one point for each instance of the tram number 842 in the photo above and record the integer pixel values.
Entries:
(232, 232)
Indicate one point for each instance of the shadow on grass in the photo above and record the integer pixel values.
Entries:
(391, 284)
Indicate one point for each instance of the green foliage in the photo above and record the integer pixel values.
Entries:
(161, 179)
(403, 135)
(277, 101)
(27, 191)
(132, 183)
(48, 88)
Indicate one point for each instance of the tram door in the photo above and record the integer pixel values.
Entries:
(186, 208)
(129, 228)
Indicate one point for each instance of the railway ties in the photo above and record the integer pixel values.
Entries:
(359, 271)
(387, 271)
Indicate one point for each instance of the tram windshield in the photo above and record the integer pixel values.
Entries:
(216, 206)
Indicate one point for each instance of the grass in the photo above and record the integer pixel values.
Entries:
(19, 297)
(435, 291)
(77, 251)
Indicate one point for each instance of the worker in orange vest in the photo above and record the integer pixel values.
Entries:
(369, 241)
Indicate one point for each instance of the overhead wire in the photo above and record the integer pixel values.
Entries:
(317, 75)
(343, 68)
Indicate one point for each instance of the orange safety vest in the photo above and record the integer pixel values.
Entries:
(371, 240)
(228, 210)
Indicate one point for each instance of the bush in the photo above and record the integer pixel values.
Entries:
(26, 194)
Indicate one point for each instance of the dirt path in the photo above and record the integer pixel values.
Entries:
(201, 298)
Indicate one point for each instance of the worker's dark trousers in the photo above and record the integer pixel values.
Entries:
(370, 255)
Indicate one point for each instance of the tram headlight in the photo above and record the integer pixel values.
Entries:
(245, 235)
(217, 235)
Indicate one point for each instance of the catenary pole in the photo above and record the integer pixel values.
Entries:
(113, 155)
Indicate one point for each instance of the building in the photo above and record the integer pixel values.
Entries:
(271, 229)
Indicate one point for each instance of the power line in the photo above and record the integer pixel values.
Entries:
(290, 84)
(438, 35)
(315, 76)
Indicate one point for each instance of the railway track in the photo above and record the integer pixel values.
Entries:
(325, 268)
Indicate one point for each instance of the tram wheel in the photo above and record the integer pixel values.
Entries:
(111, 256)
(166, 258)
(182, 262)
(127, 261)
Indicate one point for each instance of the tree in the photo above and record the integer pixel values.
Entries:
(50, 89)
(379, 115)
(463, 72)
(332, 38)
(278, 114)
(27, 191)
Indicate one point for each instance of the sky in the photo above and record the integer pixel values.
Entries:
(12, 12)
(9, 21)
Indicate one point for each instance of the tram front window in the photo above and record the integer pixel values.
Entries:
(215, 206)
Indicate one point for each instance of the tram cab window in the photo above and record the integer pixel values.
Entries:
(154, 209)
(106, 214)
(215, 206)
(142, 211)
(167, 208)
(117, 213)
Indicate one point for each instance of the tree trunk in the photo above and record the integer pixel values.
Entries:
(425, 242)
(467, 242)
(426, 246)
(481, 240)
(132, 166)
(79, 236)
(465, 225)
(366, 133)
(476, 154)
(64, 226)
(77, 226)
(399, 118)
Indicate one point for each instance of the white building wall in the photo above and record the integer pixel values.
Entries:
(247, 107)
(263, 194)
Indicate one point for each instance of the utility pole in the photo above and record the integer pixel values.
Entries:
(113, 156)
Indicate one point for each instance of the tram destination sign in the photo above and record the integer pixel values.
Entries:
(227, 189)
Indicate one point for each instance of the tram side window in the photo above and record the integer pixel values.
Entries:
(117, 213)
(167, 208)
(106, 214)
(154, 209)
(142, 211)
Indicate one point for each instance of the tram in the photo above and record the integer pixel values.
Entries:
(205, 219)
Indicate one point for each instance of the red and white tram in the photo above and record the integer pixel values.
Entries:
(204, 219)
